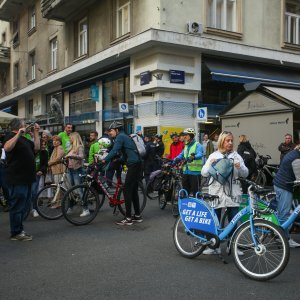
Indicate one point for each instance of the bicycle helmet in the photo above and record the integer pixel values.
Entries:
(189, 131)
(173, 134)
(115, 125)
(105, 142)
(158, 136)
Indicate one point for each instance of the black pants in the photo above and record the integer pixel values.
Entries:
(191, 183)
(131, 186)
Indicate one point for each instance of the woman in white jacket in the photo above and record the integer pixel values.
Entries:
(230, 193)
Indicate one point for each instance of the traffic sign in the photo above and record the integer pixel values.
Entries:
(123, 107)
(202, 114)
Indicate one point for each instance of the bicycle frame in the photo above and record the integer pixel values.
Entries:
(208, 224)
(291, 218)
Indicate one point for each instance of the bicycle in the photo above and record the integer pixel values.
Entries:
(85, 196)
(265, 172)
(49, 197)
(169, 184)
(260, 248)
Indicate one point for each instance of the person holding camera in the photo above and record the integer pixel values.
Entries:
(193, 154)
(20, 174)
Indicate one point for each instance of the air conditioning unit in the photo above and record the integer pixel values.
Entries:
(194, 27)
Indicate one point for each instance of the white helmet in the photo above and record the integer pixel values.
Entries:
(105, 142)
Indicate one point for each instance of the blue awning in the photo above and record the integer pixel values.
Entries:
(243, 72)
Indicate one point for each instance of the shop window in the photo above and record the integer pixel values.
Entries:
(82, 37)
(116, 91)
(53, 54)
(80, 102)
(123, 17)
(32, 66)
(223, 15)
(292, 22)
(16, 76)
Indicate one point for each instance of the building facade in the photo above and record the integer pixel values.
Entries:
(163, 59)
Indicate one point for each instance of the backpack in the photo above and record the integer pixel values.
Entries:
(139, 143)
(221, 169)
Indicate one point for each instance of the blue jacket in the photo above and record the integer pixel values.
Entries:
(286, 173)
(125, 145)
(198, 155)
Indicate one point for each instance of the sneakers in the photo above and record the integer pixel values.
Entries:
(35, 213)
(293, 244)
(23, 236)
(137, 219)
(85, 213)
(125, 221)
(209, 251)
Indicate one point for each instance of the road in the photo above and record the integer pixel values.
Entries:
(105, 261)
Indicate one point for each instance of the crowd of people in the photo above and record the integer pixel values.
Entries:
(29, 155)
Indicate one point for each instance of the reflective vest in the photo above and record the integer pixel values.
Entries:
(195, 165)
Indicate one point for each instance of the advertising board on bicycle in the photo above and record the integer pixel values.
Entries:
(195, 214)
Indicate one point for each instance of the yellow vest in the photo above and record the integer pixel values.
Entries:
(195, 165)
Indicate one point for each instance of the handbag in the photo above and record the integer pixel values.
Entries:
(221, 169)
(49, 177)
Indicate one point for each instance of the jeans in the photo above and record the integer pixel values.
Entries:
(34, 190)
(74, 176)
(284, 201)
(131, 186)
(19, 202)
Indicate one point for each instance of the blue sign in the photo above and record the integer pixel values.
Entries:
(195, 214)
(202, 114)
(177, 76)
(94, 92)
(145, 77)
(123, 107)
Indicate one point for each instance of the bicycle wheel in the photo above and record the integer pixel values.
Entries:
(80, 204)
(152, 195)
(142, 198)
(261, 179)
(186, 244)
(269, 258)
(177, 186)
(48, 201)
(162, 200)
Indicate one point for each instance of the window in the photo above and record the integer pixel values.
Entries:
(16, 38)
(223, 14)
(31, 66)
(82, 37)
(30, 107)
(123, 17)
(292, 22)
(16, 76)
(80, 102)
(53, 51)
(32, 17)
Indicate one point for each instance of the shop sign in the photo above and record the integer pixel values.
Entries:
(145, 77)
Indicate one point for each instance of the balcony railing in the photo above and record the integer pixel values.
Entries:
(292, 30)
(61, 10)
(4, 54)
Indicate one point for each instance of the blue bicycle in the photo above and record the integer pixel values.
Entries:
(260, 248)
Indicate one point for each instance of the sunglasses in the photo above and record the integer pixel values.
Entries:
(226, 132)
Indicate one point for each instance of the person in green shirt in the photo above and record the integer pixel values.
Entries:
(91, 147)
(65, 139)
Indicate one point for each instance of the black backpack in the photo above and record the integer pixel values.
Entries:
(248, 156)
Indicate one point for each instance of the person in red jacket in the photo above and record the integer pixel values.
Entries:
(176, 147)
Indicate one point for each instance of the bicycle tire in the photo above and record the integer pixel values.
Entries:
(186, 244)
(45, 200)
(152, 195)
(274, 254)
(261, 179)
(177, 186)
(142, 199)
(78, 198)
(162, 200)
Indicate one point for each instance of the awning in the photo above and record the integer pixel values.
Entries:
(243, 72)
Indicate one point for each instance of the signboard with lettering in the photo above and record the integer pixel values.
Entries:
(196, 214)
(177, 76)
(145, 77)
